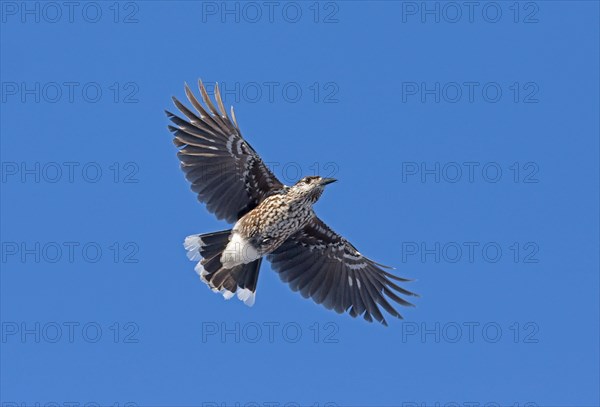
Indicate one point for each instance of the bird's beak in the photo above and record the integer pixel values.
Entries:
(325, 181)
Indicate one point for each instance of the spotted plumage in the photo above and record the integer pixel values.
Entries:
(271, 220)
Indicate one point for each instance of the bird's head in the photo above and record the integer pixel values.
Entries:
(311, 187)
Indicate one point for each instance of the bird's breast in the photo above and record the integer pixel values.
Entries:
(273, 221)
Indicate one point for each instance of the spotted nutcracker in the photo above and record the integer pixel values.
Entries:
(272, 220)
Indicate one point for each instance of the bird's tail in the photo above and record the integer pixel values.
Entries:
(240, 279)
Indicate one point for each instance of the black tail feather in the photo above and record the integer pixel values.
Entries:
(241, 279)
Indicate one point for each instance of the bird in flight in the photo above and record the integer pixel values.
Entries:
(271, 220)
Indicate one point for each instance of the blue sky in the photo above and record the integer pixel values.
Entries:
(465, 139)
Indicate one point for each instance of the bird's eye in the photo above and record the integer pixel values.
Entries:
(307, 180)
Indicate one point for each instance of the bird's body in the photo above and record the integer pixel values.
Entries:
(267, 226)
(271, 220)
(278, 217)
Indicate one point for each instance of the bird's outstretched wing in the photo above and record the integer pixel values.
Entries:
(225, 171)
(326, 267)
